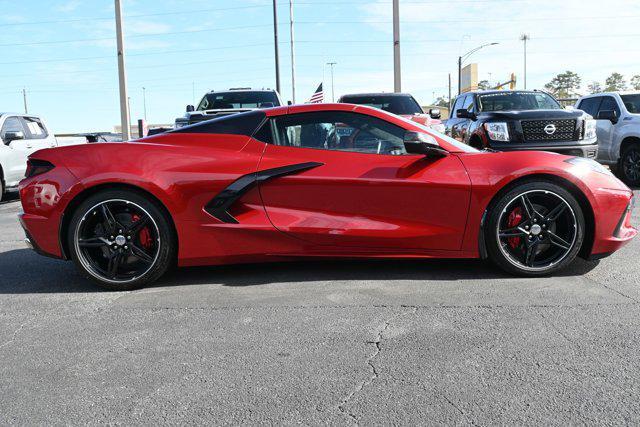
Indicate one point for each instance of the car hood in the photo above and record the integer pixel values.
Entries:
(532, 114)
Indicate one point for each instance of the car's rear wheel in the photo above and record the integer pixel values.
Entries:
(628, 168)
(534, 229)
(121, 239)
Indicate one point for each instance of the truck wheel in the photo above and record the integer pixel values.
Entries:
(1, 189)
(629, 165)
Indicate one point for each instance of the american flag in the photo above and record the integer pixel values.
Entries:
(317, 97)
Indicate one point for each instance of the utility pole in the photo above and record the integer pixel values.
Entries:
(275, 44)
(122, 76)
(332, 94)
(449, 94)
(144, 102)
(129, 107)
(525, 38)
(293, 54)
(24, 98)
(397, 81)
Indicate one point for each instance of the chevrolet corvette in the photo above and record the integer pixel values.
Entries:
(318, 180)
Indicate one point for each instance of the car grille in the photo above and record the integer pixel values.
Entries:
(534, 130)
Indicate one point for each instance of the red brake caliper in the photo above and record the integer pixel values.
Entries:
(144, 235)
(515, 218)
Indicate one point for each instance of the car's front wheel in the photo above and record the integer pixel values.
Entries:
(121, 239)
(534, 229)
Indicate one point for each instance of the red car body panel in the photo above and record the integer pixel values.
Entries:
(354, 205)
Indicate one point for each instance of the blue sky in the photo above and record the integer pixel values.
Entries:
(63, 52)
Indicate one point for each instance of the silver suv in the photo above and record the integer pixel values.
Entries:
(618, 127)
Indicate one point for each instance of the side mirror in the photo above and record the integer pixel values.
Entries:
(463, 113)
(12, 136)
(435, 113)
(289, 103)
(607, 115)
(423, 143)
(190, 108)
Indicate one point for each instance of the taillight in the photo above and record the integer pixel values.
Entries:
(37, 167)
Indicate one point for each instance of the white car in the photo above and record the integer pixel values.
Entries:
(21, 135)
(617, 116)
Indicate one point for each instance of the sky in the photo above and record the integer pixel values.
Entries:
(63, 53)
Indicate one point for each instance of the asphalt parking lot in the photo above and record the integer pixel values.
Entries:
(324, 342)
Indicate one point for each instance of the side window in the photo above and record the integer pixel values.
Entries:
(340, 131)
(35, 128)
(590, 105)
(608, 104)
(264, 133)
(456, 107)
(468, 103)
(11, 124)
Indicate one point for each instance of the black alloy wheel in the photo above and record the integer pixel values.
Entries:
(535, 229)
(121, 240)
(629, 166)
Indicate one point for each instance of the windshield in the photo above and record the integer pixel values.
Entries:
(632, 103)
(509, 101)
(232, 100)
(393, 104)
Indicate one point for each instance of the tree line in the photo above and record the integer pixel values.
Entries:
(567, 84)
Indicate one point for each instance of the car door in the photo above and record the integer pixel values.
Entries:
(356, 186)
(14, 153)
(453, 118)
(605, 129)
(460, 129)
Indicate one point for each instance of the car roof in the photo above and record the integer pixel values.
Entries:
(376, 94)
(241, 90)
(623, 92)
(493, 91)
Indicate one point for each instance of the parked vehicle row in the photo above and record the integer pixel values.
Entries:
(317, 180)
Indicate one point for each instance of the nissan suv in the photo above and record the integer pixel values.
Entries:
(618, 127)
(521, 120)
(223, 103)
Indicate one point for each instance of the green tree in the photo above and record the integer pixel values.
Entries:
(484, 85)
(635, 82)
(441, 101)
(564, 85)
(615, 82)
(594, 87)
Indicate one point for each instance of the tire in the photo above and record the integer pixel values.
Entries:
(1, 189)
(522, 236)
(628, 168)
(121, 239)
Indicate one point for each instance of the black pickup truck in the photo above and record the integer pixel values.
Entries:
(521, 120)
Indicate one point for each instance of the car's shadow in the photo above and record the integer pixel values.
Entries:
(9, 197)
(23, 271)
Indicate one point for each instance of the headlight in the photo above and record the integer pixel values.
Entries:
(589, 129)
(438, 127)
(588, 164)
(497, 131)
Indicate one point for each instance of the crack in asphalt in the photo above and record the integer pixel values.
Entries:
(374, 371)
(15, 334)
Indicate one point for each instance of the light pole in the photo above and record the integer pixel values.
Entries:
(332, 64)
(525, 38)
(122, 75)
(397, 80)
(144, 102)
(465, 56)
(293, 54)
(275, 44)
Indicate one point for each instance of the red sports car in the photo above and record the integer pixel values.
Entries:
(321, 180)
